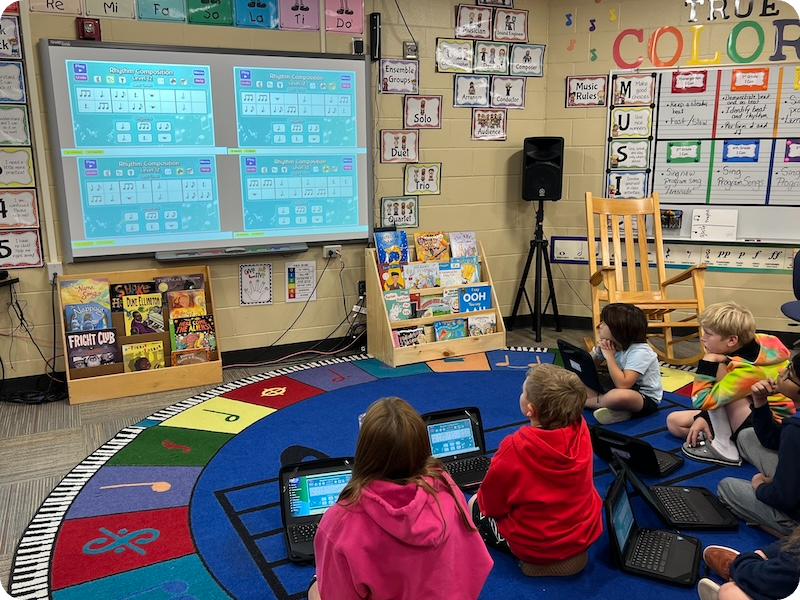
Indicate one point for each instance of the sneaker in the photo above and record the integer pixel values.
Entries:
(707, 453)
(562, 568)
(719, 559)
(707, 589)
(606, 416)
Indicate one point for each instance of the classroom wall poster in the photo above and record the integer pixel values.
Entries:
(255, 284)
(399, 145)
(400, 211)
(208, 12)
(453, 56)
(119, 9)
(471, 91)
(422, 112)
(511, 25)
(344, 16)
(473, 22)
(489, 124)
(301, 281)
(16, 167)
(423, 179)
(62, 7)
(18, 209)
(491, 57)
(295, 14)
(399, 76)
(20, 249)
(586, 91)
(14, 128)
(10, 48)
(508, 92)
(12, 88)
(527, 60)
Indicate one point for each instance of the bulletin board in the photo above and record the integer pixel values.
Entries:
(725, 137)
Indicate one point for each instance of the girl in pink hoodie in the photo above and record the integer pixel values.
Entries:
(400, 514)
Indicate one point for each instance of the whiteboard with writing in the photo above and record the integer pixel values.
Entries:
(723, 136)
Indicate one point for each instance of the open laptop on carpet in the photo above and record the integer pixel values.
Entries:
(456, 438)
(638, 454)
(580, 362)
(307, 490)
(654, 553)
(683, 506)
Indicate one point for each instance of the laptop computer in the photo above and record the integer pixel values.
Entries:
(307, 490)
(580, 362)
(638, 454)
(456, 438)
(653, 553)
(683, 506)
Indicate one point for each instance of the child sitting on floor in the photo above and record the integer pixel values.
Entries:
(632, 365)
(538, 502)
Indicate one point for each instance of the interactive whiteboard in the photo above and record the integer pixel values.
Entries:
(176, 151)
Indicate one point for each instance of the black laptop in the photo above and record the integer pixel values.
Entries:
(683, 506)
(307, 490)
(580, 362)
(456, 438)
(653, 553)
(638, 454)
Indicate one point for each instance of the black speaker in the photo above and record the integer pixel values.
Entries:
(375, 35)
(542, 168)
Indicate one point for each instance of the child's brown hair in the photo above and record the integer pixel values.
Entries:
(728, 319)
(626, 322)
(557, 395)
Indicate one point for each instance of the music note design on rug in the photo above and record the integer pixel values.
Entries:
(173, 446)
(156, 486)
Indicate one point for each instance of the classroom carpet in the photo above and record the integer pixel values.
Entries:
(184, 504)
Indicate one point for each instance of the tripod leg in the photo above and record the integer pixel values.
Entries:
(551, 286)
(537, 301)
(521, 291)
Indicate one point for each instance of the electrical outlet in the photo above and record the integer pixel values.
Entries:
(332, 250)
(54, 270)
(410, 50)
(362, 288)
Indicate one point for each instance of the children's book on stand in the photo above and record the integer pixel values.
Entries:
(450, 330)
(86, 316)
(392, 247)
(481, 324)
(189, 356)
(391, 277)
(186, 303)
(431, 246)
(170, 283)
(408, 336)
(420, 276)
(82, 291)
(143, 313)
(143, 357)
(449, 273)
(118, 290)
(470, 270)
(463, 243)
(398, 304)
(92, 348)
(187, 333)
(474, 297)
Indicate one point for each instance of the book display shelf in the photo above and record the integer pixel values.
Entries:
(381, 343)
(107, 381)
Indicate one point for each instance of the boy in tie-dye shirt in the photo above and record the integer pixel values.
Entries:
(736, 358)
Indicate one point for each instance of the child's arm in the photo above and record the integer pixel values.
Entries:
(494, 492)
(776, 577)
(767, 430)
(335, 575)
(783, 492)
(622, 378)
(709, 391)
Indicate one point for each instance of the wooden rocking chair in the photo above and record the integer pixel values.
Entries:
(619, 225)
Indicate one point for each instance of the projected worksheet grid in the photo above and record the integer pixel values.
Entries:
(111, 193)
(314, 105)
(278, 188)
(108, 100)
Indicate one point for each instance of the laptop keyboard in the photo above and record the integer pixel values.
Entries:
(304, 532)
(674, 500)
(468, 465)
(651, 551)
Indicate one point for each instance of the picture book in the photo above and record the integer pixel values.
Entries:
(143, 313)
(463, 243)
(475, 297)
(409, 336)
(392, 277)
(190, 356)
(82, 291)
(86, 316)
(118, 290)
(398, 304)
(170, 283)
(92, 348)
(451, 297)
(429, 305)
(143, 356)
(420, 276)
(482, 324)
(193, 332)
(470, 270)
(392, 247)
(449, 273)
(186, 303)
(431, 245)
(450, 330)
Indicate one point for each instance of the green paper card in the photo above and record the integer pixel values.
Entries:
(210, 12)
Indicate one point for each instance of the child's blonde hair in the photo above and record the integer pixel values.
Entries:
(730, 318)
(557, 395)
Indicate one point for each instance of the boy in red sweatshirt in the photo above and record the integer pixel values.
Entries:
(538, 501)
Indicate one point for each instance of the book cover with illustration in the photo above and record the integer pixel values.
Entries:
(463, 243)
(186, 303)
(475, 297)
(92, 348)
(83, 291)
(118, 290)
(392, 247)
(408, 336)
(420, 276)
(470, 269)
(450, 330)
(170, 283)
(190, 356)
(392, 277)
(143, 313)
(86, 316)
(482, 324)
(193, 332)
(143, 356)
(431, 245)
(398, 304)
(449, 273)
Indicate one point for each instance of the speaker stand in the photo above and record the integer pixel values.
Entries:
(539, 248)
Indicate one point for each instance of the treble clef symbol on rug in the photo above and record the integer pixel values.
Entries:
(121, 541)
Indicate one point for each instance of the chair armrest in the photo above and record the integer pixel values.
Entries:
(599, 275)
(684, 275)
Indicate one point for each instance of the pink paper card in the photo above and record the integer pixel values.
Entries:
(299, 14)
(344, 16)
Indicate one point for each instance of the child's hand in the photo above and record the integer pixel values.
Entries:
(758, 479)
(700, 425)
(607, 347)
(761, 390)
